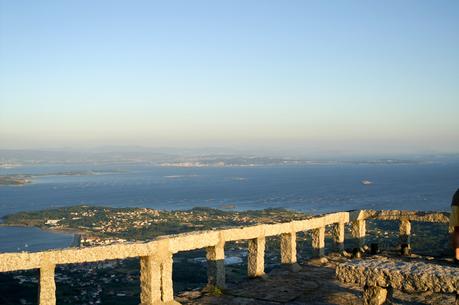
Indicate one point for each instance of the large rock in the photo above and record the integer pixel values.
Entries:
(374, 296)
(406, 276)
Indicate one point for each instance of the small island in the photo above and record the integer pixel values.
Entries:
(14, 180)
(11, 180)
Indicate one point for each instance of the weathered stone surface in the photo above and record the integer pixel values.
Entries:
(373, 295)
(47, 285)
(318, 241)
(288, 248)
(319, 261)
(282, 286)
(192, 240)
(406, 276)
(150, 281)
(358, 231)
(167, 288)
(295, 267)
(405, 227)
(358, 228)
(256, 257)
(156, 280)
(338, 236)
(421, 216)
(312, 285)
(25, 260)
(185, 296)
(405, 237)
(405, 231)
(216, 264)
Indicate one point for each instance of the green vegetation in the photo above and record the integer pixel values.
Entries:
(142, 223)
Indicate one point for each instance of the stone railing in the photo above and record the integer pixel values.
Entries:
(156, 256)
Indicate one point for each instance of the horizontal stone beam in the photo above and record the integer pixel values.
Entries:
(358, 215)
(243, 233)
(267, 230)
(320, 221)
(201, 239)
(26, 260)
(420, 216)
(192, 240)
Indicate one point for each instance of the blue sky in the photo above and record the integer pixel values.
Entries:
(312, 76)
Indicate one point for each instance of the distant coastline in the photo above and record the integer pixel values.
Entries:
(177, 158)
(43, 228)
(23, 179)
(14, 180)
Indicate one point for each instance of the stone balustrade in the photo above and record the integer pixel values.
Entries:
(156, 257)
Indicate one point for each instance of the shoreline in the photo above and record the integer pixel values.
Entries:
(31, 239)
(67, 231)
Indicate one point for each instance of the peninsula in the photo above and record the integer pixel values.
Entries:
(14, 180)
(105, 224)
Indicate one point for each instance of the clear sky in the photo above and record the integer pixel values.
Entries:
(354, 76)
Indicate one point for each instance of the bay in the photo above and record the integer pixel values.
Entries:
(313, 188)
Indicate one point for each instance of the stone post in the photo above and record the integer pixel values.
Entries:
(150, 280)
(358, 231)
(405, 236)
(288, 248)
(338, 236)
(156, 280)
(318, 242)
(47, 295)
(216, 265)
(167, 287)
(256, 257)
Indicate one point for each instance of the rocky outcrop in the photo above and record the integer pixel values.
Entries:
(413, 276)
(312, 282)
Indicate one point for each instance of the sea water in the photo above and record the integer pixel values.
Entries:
(311, 188)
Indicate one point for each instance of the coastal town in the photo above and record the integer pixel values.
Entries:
(108, 282)
(100, 225)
